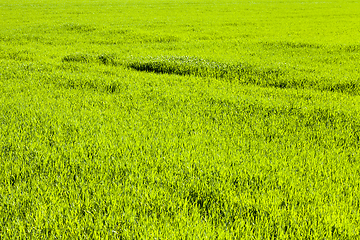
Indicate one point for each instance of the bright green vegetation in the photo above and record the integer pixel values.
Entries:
(179, 119)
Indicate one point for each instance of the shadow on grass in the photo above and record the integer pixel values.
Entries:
(242, 73)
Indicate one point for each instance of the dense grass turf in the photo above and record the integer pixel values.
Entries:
(179, 119)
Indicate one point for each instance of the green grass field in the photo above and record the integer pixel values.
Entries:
(179, 119)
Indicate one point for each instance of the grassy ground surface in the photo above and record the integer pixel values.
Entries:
(179, 119)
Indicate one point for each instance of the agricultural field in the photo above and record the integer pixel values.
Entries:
(179, 119)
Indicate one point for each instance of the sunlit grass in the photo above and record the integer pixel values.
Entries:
(179, 120)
